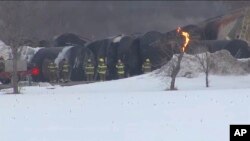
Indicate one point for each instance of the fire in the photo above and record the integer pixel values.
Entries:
(187, 39)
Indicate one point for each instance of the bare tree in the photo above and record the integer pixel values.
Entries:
(181, 44)
(175, 69)
(200, 50)
(11, 30)
(170, 47)
(204, 60)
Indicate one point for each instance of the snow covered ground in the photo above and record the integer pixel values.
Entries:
(133, 109)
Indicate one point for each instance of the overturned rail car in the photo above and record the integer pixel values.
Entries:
(237, 48)
(77, 56)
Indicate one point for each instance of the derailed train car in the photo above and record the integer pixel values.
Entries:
(132, 51)
(123, 47)
(111, 50)
(40, 60)
(75, 54)
(223, 27)
(161, 47)
(99, 49)
(78, 57)
(69, 39)
(146, 50)
(128, 52)
(237, 48)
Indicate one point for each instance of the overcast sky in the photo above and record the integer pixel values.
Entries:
(96, 20)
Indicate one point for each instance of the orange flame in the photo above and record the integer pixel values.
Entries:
(187, 39)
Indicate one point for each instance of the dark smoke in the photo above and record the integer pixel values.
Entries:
(101, 19)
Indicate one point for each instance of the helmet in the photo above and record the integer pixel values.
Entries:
(89, 60)
(101, 60)
(147, 60)
(119, 60)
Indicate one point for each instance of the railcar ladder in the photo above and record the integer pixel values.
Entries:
(245, 26)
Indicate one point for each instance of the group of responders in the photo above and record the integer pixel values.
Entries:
(62, 73)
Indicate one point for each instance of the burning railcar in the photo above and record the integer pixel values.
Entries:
(222, 32)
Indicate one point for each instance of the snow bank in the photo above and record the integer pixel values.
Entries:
(133, 109)
(144, 83)
(136, 110)
(222, 63)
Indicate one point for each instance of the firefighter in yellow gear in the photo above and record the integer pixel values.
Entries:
(52, 68)
(146, 67)
(65, 70)
(89, 70)
(102, 69)
(120, 69)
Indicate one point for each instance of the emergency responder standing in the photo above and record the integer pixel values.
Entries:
(52, 68)
(146, 67)
(89, 70)
(102, 69)
(120, 69)
(2, 66)
(65, 70)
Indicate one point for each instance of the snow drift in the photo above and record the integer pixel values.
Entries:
(131, 109)
(222, 63)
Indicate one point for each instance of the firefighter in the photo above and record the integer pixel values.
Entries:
(65, 70)
(89, 70)
(52, 68)
(2, 66)
(120, 69)
(102, 69)
(146, 67)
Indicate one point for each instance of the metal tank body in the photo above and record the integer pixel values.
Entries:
(40, 59)
(69, 39)
(77, 56)
(237, 48)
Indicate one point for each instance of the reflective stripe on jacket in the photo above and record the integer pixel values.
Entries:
(65, 67)
(146, 67)
(102, 68)
(120, 68)
(89, 69)
(52, 67)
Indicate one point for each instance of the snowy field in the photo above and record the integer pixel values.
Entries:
(133, 109)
